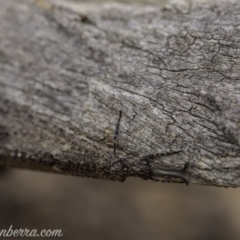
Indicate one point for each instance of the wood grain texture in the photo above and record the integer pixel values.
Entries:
(67, 70)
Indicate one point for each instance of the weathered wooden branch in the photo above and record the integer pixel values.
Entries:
(161, 85)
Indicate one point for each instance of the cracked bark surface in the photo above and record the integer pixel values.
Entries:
(67, 70)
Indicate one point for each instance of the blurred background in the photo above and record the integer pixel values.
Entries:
(136, 210)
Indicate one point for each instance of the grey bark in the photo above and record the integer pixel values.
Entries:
(68, 70)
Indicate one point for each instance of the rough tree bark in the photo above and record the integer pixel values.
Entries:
(159, 84)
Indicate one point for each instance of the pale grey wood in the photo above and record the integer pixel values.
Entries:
(67, 70)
